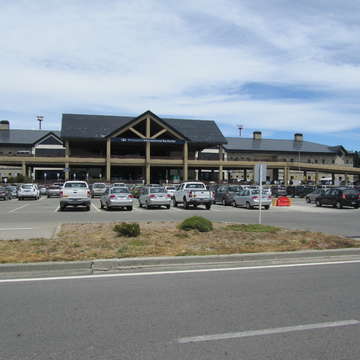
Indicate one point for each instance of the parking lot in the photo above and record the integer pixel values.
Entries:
(42, 218)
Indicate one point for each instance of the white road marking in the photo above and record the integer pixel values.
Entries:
(169, 272)
(18, 208)
(10, 229)
(95, 207)
(280, 330)
(57, 209)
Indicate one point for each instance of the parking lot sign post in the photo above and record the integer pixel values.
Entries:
(260, 176)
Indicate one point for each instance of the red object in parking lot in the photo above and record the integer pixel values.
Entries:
(283, 201)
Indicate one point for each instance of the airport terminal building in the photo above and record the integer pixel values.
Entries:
(151, 149)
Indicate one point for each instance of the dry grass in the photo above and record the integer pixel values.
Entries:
(94, 241)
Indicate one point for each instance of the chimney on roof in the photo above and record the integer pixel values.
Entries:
(257, 135)
(298, 137)
(4, 125)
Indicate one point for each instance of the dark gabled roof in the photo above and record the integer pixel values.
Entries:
(81, 126)
(249, 144)
(24, 137)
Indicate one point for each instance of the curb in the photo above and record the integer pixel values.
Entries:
(112, 264)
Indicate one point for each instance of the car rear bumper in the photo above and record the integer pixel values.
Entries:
(120, 203)
(75, 202)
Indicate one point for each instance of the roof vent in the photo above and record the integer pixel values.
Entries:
(257, 135)
(4, 125)
(298, 137)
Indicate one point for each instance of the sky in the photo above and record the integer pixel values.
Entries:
(279, 66)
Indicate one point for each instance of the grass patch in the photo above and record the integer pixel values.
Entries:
(253, 228)
(91, 241)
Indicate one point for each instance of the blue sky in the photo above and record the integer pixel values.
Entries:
(277, 66)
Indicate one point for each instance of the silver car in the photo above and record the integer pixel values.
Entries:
(53, 191)
(98, 189)
(28, 191)
(117, 197)
(151, 196)
(311, 197)
(250, 198)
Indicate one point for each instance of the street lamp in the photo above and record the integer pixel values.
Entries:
(58, 176)
(45, 175)
(74, 176)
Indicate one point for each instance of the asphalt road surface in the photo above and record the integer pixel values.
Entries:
(297, 313)
(30, 218)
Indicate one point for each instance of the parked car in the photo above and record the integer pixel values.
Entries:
(193, 193)
(43, 190)
(13, 189)
(75, 193)
(28, 191)
(278, 190)
(117, 197)
(339, 197)
(5, 193)
(311, 197)
(118, 185)
(224, 193)
(299, 190)
(53, 191)
(98, 189)
(136, 191)
(151, 196)
(250, 198)
(170, 189)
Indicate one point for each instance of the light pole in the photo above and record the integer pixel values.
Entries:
(45, 175)
(58, 176)
(74, 176)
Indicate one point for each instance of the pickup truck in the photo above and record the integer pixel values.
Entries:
(75, 193)
(193, 193)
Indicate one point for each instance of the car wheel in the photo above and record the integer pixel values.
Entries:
(248, 206)
(339, 205)
(308, 200)
(175, 204)
(356, 206)
(223, 202)
(186, 204)
(62, 208)
(87, 208)
(267, 207)
(318, 203)
(101, 205)
(234, 203)
(129, 208)
(168, 206)
(208, 206)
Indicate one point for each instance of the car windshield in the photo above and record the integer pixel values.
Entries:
(54, 188)
(170, 188)
(75, 185)
(195, 186)
(120, 190)
(99, 186)
(26, 186)
(157, 190)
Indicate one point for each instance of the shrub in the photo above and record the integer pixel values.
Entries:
(129, 230)
(196, 223)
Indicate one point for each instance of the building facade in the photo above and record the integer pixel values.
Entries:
(150, 149)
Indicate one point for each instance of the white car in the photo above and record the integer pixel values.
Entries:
(28, 191)
(170, 189)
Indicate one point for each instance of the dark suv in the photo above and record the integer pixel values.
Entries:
(224, 193)
(339, 197)
(299, 190)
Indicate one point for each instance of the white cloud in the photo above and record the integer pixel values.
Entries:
(182, 58)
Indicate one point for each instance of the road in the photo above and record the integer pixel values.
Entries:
(298, 313)
(29, 219)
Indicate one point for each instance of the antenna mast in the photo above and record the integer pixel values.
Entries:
(240, 128)
(40, 119)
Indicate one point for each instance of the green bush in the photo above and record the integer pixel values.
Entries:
(196, 223)
(129, 230)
